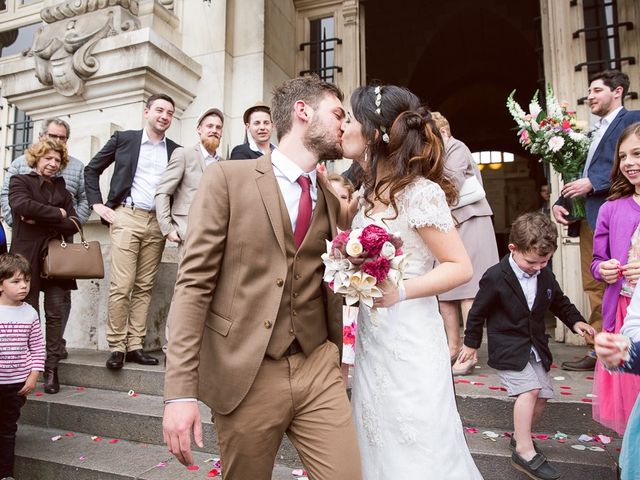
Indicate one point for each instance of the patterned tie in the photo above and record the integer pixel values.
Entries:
(596, 136)
(304, 210)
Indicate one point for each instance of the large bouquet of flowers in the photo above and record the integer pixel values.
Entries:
(357, 261)
(556, 135)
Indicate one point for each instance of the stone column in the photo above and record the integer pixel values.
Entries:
(561, 54)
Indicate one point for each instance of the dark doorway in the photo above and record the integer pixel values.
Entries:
(463, 58)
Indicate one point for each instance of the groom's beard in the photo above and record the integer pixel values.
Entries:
(322, 143)
(211, 144)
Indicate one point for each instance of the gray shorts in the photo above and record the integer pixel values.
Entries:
(532, 377)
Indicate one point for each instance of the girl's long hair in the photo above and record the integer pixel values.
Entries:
(620, 185)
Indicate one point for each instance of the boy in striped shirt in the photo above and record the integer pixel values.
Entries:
(22, 352)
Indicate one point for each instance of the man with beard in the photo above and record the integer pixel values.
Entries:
(140, 158)
(182, 177)
(606, 97)
(260, 333)
(257, 121)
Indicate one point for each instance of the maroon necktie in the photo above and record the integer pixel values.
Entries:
(304, 210)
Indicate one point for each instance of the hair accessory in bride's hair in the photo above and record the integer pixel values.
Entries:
(378, 100)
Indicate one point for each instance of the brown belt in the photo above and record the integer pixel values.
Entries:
(138, 209)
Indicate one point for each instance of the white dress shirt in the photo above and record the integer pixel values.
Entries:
(287, 174)
(208, 158)
(601, 127)
(152, 162)
(529, 285)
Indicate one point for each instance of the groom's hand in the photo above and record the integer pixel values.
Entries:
(180, 419)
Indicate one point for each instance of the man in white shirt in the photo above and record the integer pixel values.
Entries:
(606, 95)
(140, 158)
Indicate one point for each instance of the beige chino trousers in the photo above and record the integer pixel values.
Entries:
(136, 250)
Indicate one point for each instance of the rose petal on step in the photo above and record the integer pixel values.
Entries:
(604, 439)
(596, 449)
(585, 438)
(590, 377)
(579, 447)
(113, 440)
(483, 375)
(161, 465)
(297, 472)
(56, 438)
(542, 436)
(493, 387)
(38, 394)
(96, 439)
(471, 429)
(553, 365)
(562, 440)
(463, 380)
(82, 458)
(69, 434)
(558, 378)
(565, 387)
(586, 400)
(477, 384)
(214, 472)
(79, 389)
(566, 393)
(591, 395)
(490, 434)
(193, 468)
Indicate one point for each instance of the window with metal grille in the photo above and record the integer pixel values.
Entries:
(602, 41)
(20, 133)
(322, 49)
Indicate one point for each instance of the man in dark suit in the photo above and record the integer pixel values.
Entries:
(257, 121)
(606, 94)
(140, 158)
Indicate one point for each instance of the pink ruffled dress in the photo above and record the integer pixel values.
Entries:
(616, 394)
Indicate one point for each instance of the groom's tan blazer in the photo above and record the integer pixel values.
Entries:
(233, 281)
(177, 188)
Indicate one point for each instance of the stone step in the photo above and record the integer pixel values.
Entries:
(78, 457)
(75, 456)
(480, 402)
(116, 414)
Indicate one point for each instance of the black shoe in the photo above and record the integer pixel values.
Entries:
(51, 383)
(585, 364)
(512, 444)
(64, 355)
(115, 361)
(537, 468)
(138, 356)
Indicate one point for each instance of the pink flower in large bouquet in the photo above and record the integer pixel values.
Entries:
(339, 243)
(378, 268)
(372, 239)
(349, 334)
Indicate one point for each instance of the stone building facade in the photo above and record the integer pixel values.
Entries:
(94, 63)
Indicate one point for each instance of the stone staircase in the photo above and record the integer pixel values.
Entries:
(110, 427)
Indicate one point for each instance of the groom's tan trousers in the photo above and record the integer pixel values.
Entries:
(303, 397)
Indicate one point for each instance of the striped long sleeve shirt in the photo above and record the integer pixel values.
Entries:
(21, 344)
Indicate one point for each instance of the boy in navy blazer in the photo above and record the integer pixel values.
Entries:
(513, 298)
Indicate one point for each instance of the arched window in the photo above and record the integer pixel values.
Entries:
(492, 159)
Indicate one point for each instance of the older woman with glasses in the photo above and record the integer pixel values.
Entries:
(41, 207)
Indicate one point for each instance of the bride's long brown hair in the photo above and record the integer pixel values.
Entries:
(415, 148)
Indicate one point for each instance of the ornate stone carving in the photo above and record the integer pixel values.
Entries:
(73, 8)
(63, 48)
(168, 4)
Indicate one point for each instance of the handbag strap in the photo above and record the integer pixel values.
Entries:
(76, 222)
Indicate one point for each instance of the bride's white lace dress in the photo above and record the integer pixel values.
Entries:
(403, 399)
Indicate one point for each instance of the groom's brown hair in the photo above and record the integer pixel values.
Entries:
(310, 89)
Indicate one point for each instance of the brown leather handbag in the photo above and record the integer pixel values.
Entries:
(66, 260)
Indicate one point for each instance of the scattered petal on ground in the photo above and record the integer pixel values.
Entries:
(553, 365)
(38, 394)
(113, 440)
(69, 434)
(477, 384)
(79, 389)
(587, 400)
(193, 468)
(596, 449)
(558, 378)
(298, 472)
(471, 429)
(585, 438)
(82, 458)
(604, 439)
(542, 436)
(566, 393)
(560, 436)
(565, 387)
(96, 439)
(214, 472)
(483, 375)
(490, 435)
(579, 447)
(161, 465)
(591, 395)
(590, 377)
(131, 393)
(56, 438)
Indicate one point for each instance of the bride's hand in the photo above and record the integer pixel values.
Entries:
(390, 295)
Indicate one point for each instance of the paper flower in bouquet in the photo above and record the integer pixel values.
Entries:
(357, 261)
(555, 134)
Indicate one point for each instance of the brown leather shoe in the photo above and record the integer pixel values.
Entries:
(585, 364)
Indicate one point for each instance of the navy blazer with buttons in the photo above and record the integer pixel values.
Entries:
(511, 327)
(123, 149)
(599, 172)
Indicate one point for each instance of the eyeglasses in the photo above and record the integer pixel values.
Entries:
(62, 138)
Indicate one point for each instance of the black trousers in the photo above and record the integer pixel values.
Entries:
(10, 405)
(54, 307)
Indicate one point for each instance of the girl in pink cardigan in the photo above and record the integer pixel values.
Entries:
(616, 261)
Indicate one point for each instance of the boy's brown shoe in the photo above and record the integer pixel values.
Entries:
(585, 364)
(537, 468)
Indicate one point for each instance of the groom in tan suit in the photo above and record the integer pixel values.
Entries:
(259, 332)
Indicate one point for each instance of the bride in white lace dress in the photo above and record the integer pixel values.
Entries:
(403, 399)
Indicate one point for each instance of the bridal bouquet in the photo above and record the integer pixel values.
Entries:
(556, 135)
(357, 261)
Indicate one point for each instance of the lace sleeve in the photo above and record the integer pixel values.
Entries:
(426, 206)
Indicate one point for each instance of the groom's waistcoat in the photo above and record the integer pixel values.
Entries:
(302, 312)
